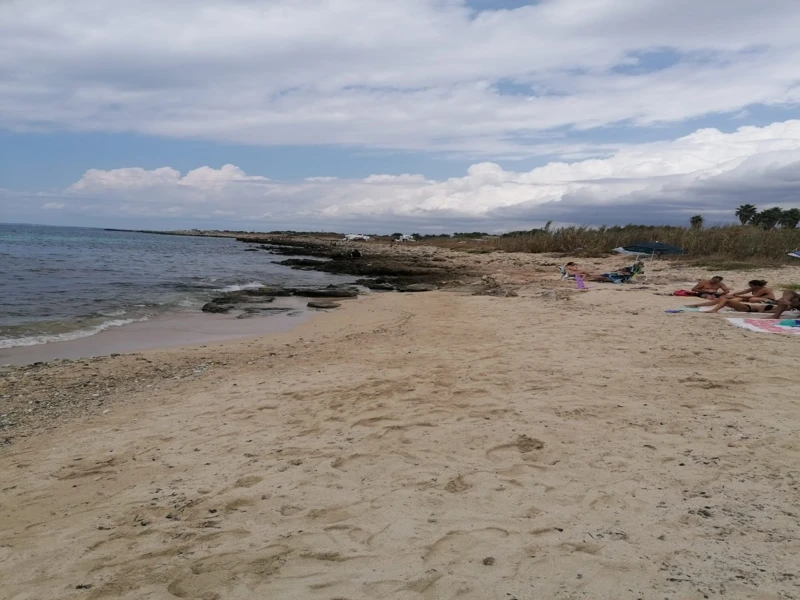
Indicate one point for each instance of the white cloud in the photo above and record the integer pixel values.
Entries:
(53, 206)
(416, 74)
(135, 178)
(708, 171)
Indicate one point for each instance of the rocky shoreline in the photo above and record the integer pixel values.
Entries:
(44, 395)
(376, 265)
(377, 269)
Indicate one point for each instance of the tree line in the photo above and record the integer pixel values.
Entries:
(769, 218)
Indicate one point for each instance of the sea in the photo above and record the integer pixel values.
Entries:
(67, 283)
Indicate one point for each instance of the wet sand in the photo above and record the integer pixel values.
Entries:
(165, 331)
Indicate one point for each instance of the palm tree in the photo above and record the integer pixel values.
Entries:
(745, 213)
(768, 218)
(696, 221)
(790, 218)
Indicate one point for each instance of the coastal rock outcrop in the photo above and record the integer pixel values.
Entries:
(323, 304)
(262, 311)
(269, 290)
(418, 287)
(378, 285)
(388, 267)
(213, 307)
(303, 263)
(332, 291)
(242, 296)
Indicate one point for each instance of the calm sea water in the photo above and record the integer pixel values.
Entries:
(61, 283)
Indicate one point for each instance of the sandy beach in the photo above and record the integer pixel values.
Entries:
(555, 444)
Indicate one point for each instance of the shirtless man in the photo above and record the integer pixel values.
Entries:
(711, 288)
(789, 301)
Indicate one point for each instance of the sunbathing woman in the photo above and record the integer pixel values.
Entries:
(572, 269)
(762, 306)
(757, 291)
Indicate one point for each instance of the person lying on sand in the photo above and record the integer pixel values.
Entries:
(789, 301)
(572, 269)
(757, 291)
(762, 306)
(711, 288)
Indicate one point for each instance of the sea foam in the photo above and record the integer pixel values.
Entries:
(35, 340)
(253, 285)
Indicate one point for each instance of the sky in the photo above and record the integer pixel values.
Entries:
(373, 116)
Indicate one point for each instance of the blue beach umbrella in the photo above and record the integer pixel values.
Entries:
(651, 249)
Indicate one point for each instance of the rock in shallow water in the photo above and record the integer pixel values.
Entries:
(212, 307)
(418, 287)
(269, 290)
(263, 311)
(328, 292)
(242, 296)
(378, 286)
(323, 304)
(302, 263)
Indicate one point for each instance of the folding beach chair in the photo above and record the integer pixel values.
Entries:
(564, 274)
(637, 270)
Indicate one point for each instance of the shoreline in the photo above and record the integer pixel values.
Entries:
(377, 268)
(167, 330)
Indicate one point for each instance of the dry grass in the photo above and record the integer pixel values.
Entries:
(715, 263)
(724, 244)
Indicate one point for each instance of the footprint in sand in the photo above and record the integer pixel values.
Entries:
(237, 505)
(246, 482)
(457, 485)
(288, 510)
(225, 571)
(460, 545)
(78, 471)
(523, 444)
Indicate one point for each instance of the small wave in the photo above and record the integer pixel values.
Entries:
(35, 340)
(244, 286)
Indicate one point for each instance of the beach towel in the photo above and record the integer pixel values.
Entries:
(617, 277)
(693, 309)
(683, 293)
(766, 326)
